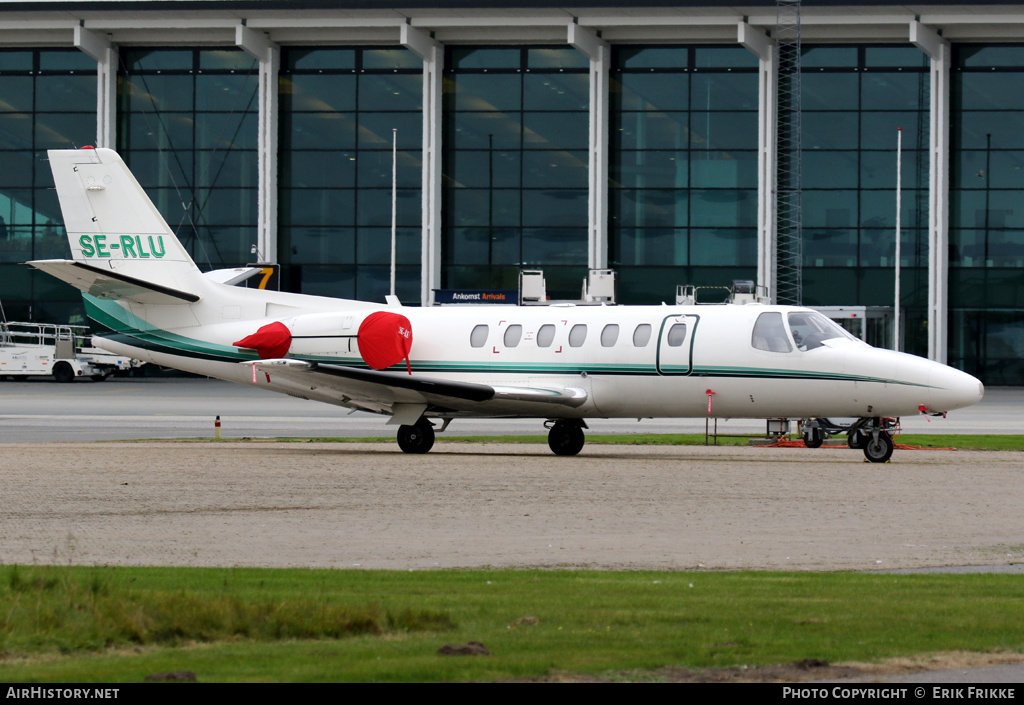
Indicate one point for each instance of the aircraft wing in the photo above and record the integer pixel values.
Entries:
(405, 396)
(108, 284)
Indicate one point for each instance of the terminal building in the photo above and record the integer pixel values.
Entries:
(640, 137)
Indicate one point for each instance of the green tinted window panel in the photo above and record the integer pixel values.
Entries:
(62, 93)
(231, 93)
(316, 206)
(555, 207)
(318, 244)
(654, 169)
(374, 245)
(832, 247)
(724, 91)
(487, 130)
(376, 130)
(482, 168)
(723, 246)
(374, 169)
(830, 91)
(556, 58)
(723, 208)
(650, 91)
(329, 131)
(157, 59)
(715, 130)
(488, 92)
(651, 130)
(989, 129)
(483, 207)
(649, 246)
(649, 208)
(156, 93)
(637, 58)
(555, 131)
(552, 245)
(894, 90)
(317, 93)
(378, 92)
(548, 91)
(225, 131)
(832, 169)
(373, 207)
(555, 169)
(830, 131)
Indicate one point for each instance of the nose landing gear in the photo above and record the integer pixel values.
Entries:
(872, 435)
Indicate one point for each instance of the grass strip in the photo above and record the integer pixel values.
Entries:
(534, 622)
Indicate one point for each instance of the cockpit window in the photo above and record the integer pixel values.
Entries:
(770, 334)
(811, 329)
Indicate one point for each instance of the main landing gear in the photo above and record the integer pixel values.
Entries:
(566, 436)
(871, 435)
(417, 438)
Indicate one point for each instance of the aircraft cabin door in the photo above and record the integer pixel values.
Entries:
(675, 344)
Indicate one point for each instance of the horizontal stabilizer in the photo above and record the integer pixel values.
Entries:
(107, 284)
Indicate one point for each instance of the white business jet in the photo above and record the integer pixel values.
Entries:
(563, 364)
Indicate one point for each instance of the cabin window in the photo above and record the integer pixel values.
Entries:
(577, 334)
(676, 335)
(642, 335)
(770, 334)
(478, 338)
(513, 334)
(609, 335)
(545, 336)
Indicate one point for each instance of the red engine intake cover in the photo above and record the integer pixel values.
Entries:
(385, 338)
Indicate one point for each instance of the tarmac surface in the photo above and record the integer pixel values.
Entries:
(158, 408)
(70, 499)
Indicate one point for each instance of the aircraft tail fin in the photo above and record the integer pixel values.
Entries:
(113, 226)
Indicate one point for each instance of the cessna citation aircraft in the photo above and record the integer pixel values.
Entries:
(563, 364)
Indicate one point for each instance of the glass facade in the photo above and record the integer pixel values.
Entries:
(515, 167)
(47, 101)
(683, 168)
(682, 164)
(340, 110)
(986, 230)
(855, 102)
(187, 128)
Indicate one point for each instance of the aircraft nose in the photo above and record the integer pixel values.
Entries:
(954, 389)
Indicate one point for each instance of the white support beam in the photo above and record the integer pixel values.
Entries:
(767, 135)
(587, 41)
(927, 40)
(99, 47)
(431, 51)
(430, 243)
(754, 40)
(418, 41)
(92, 43)
(939, 51)
(255, 44)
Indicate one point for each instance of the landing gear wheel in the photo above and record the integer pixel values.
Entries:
(813, 438)
(418, 438)
(63, 373)
(566, 438)
(856, 439)
(878, 451)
